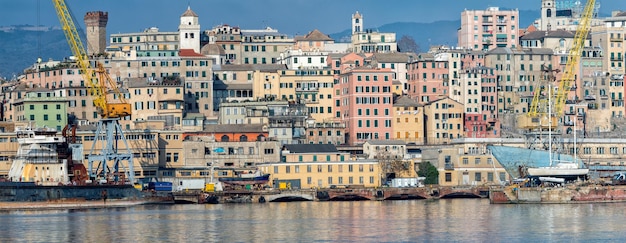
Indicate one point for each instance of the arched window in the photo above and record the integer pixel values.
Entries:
(549, 13)
(243, 138)
(260, 138)
(224, 138)
(562, 42)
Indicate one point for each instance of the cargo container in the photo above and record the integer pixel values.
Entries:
(287, 184)
(160, 186)
(190, 184)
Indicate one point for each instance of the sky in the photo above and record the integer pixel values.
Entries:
(292, 17)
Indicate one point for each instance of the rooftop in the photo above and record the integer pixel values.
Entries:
(311, 148)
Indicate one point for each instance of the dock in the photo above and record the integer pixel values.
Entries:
(343, 194)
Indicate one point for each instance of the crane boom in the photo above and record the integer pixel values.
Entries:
(573, 59)
(97, 86)
(108, 129)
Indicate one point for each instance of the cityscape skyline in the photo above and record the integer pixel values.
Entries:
(291, 19)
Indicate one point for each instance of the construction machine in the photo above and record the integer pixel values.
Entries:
(548, 101)
(109, 133)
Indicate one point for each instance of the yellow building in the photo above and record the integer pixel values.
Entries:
(312, 87)
(408, 120)
(308, 166)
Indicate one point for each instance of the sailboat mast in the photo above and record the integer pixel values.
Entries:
(550, 121)
(575, 121)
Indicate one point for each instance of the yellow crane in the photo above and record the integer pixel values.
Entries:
(559, 97)
(108, 130)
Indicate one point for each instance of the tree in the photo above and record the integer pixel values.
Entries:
(426, 169)
(407, 44)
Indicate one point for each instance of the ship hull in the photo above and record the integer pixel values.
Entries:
(256, 180)
(30, 192)
(512, 159)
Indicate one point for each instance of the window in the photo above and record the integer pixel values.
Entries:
(477, 176)
(448, 177)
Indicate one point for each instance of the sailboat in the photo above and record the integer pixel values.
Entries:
(541, 164)
(562, 169)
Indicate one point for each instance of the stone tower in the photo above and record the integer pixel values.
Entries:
(189, 31)
(96, 24)
(357, 23)
(548, 15)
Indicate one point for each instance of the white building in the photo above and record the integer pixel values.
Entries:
(300, 60)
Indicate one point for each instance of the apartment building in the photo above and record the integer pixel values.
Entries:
(429, 77)
(363, 101)
(312, 87)
(610, 37)
(408, 120)
(397, 62)
(481, 102)
(520, 72)
(202, 151)
(488, 29)
(235, 82)
(314, 40)
(157, 99)
(308, 166)
(41, 107)
(303, 60)
(468, 164)
(444, 121)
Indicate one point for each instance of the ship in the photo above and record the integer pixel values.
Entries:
(47, 167)
(535, 163)
(244, 179)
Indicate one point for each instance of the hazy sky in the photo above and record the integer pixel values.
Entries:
(288, 16)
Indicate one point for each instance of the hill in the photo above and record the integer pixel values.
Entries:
(19, 48)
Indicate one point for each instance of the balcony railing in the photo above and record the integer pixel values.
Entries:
(448, 166)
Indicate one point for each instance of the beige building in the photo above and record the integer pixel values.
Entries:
(235, 82)
(309, 166)
(369, 41)
(314, 88)
(611, 36)
(314, 40)
(157, 99)
(327, 132)
(466, 164)
(443, 119)
(518, 74)
(203, 151)
(149, 39)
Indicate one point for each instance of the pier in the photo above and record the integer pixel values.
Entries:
(343, 194)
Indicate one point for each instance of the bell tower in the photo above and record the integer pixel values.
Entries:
(548, 15)
(357, 23)
(189, 31)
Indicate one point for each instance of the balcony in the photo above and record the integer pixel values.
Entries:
(448, 166)
(307, 89)
(616, 39)
(617, 58)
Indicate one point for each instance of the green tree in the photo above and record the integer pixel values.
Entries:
(426, 169)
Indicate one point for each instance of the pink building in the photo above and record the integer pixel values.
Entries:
(428, 79)
(488, 29)
(364, 102)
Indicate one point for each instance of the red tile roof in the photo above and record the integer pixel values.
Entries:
(189, 53)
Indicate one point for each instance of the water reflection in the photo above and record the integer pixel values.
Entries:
(360, 221)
